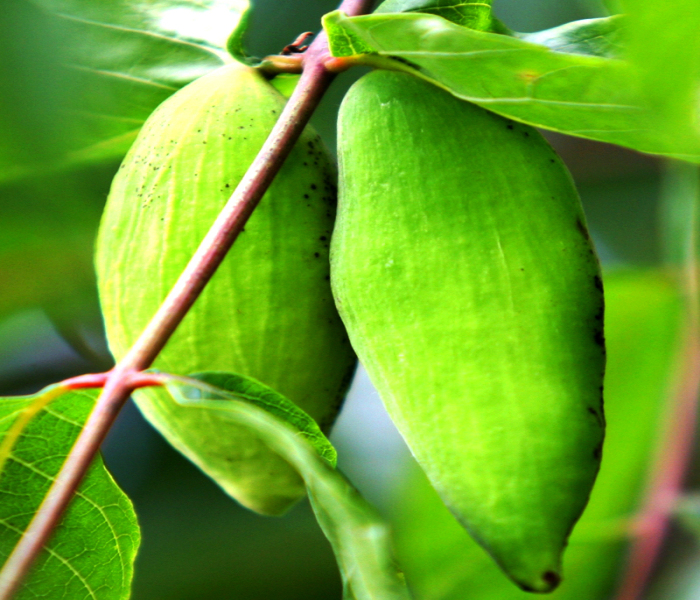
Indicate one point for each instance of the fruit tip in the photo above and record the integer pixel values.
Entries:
(545, 583)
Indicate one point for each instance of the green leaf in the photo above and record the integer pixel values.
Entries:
(92, 551)
(643, 314)
(239, 387)
(360, 539)
(117, 61)
(664, 45)
(585, 96)
(593, 37)
(476, 15)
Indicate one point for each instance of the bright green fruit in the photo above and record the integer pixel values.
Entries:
(465, 276)
(268, 313)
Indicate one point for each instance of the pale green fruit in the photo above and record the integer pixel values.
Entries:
(268, 312)
(465, 276)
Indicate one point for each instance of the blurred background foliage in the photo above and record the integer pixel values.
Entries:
(197, 544)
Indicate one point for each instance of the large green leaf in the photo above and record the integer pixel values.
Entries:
(113, 62)
(642, 332)
(360, 539)
(92, 551)
(587, 96)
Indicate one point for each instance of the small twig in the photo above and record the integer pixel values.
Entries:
(277, 64)
(676, 445)
(313, 83)
(298, 45)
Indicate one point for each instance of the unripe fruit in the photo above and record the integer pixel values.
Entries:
(465, 276)
(267, 313)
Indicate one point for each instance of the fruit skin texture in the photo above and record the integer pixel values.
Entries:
(465, 276)
(268, 312)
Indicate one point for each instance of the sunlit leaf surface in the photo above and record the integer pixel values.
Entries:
(587, 96)
(360, 539)
(92, 552)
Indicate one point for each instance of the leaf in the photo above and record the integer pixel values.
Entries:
(476, 15)
(92, 551)
(592, 37)
(585, 96)
(360, 539)
(643, 312)
(119, 59)
(254, 392)
(663, 43)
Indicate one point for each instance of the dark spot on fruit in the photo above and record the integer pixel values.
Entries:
(323, 238)
(598, 283)
(274, 112)
(551, 578)
(327, 277)
(510, 125)
(316, 254)
(581, 228)
(598, 451)
(227, 185)
(599, 337)
(306, 196)
(313, 186)
(552, 160)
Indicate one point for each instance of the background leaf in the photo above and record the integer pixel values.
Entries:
(360, 539)
(594, 37)
(585, 96)
(92, 551)
(642, 331)
(664, 45)
(125, 57)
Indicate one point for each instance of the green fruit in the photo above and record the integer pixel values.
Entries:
(465, 276)
(268, 313)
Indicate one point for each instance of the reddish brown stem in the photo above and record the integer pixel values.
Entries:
(119, 383)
